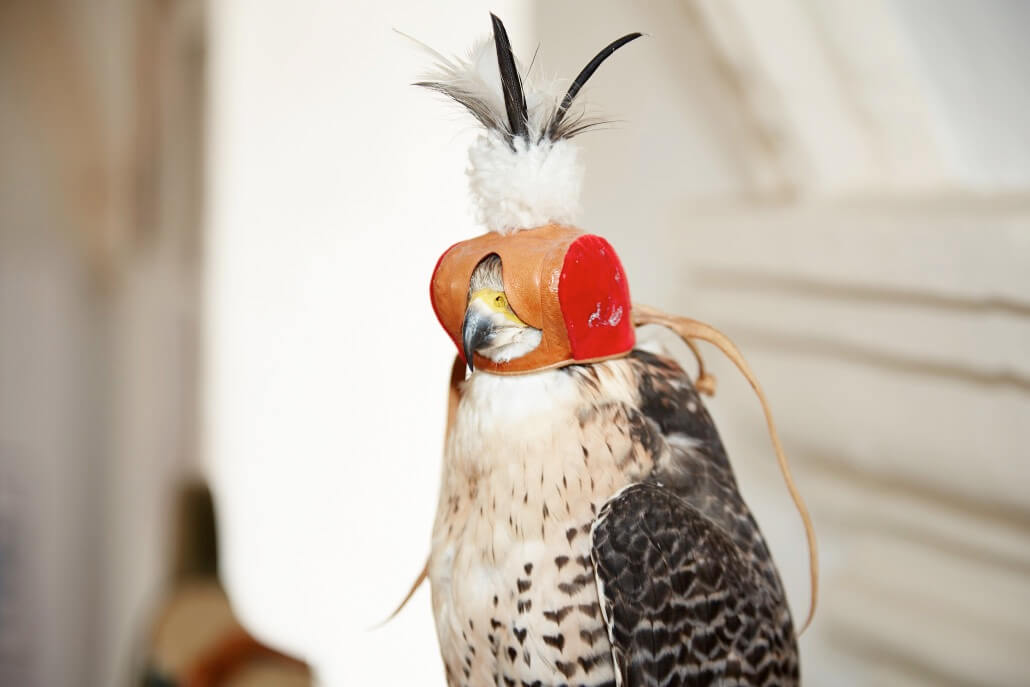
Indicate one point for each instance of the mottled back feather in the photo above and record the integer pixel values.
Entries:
(688, 588)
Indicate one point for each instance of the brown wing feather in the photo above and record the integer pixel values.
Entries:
(688, 587)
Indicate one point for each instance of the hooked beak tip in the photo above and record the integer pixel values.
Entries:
(475, 331)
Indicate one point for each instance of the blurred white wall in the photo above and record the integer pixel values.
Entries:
(335, 186)
(842, 187)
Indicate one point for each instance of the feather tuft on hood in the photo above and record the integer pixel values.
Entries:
(524, 171)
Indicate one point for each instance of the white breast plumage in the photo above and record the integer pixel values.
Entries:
(530, 461)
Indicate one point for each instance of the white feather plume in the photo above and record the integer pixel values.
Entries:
(515, 183)
(524, 171)
(535, 183)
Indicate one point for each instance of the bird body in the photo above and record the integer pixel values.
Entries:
(525, 472)
(533, 465)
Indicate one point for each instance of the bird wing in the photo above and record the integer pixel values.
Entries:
(682, 605)
(687, 587)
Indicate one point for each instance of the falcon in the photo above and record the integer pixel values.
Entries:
(590, 530)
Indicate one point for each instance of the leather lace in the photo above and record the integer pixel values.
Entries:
(688, 330)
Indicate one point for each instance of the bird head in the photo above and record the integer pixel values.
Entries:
(525, 178)
(563, 299)
(491, 328)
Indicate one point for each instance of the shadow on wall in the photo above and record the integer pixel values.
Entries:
(195, 639)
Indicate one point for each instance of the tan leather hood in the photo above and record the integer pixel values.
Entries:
(568, 284)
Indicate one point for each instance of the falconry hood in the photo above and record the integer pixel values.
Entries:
(569, 285)
(525, 180)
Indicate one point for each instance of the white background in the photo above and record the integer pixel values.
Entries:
(336, 185)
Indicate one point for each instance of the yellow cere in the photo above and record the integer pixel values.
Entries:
(497, 302)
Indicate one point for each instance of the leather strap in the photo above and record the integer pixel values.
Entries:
(689, 329)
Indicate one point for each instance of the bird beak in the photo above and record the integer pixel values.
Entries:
(476, 330)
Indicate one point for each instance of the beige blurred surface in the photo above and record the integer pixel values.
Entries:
(191, 194)
(199, 617)
(101, 133)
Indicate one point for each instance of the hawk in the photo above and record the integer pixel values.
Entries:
(590, 530)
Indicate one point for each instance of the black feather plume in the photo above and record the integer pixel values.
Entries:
(469, 83)
(554, 129)
(511, 82)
